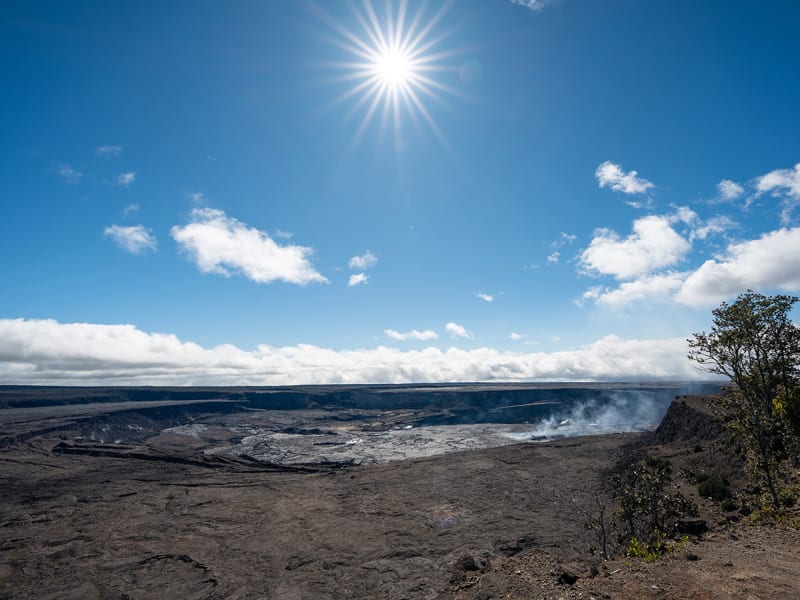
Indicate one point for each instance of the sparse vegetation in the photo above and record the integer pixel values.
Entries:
(601, 523)
(650, 551)
(713, 487)
(649, 510)
(642, 515)
(754, 343)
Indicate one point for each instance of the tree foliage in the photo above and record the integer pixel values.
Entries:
(754, 342)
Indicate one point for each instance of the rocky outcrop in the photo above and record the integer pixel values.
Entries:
(691, 419)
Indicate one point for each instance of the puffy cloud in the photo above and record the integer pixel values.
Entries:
(782, 183)
(771, 261)
(653, 245)
(612, 175)
(484, 297)
(198, 197)
(553, 258)
(411, 335)
(729, 190)
(358, 279)
(125, 179)
(365, 261)
(69, 174)
(457, 330)
(135, 239)
(649, 286)
(516, 336)
(110, 151)
(49, 352)
(221, 244)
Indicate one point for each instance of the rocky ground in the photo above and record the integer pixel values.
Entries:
(159, 518)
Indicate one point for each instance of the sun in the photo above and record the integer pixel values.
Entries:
(395, 63)
(394, 67)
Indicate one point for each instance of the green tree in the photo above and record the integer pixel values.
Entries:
(754, 342)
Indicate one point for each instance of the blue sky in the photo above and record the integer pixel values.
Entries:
(559, 190)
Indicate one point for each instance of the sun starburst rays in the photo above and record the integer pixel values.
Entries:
(394, 59)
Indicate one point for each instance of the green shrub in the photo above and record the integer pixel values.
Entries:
(649, 511)
(713, 487)
(661, 546)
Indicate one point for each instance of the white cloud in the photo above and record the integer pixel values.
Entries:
(112, 151)
(358, 279)
(593, 293)
(531, 4)
(135, 239)
(129, 209)
(125, 179)
(49, 352)
(771, 261)
(69, 174)
(457, 330)
(563, 240)
(641, 205)
(786, 181)
(484, 297)
(411, 335)
(284, 235)
(714, 226)
(198, 197)
(516, 336)
(729, 190)
(612, 175)
(653, 245)
(365, 261)
(221, 244)
(660, 286)
(553, 258)
(782, 183)
(684, 214)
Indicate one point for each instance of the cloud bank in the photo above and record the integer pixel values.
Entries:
(767, 263)
(220, 244)
(49, 352)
